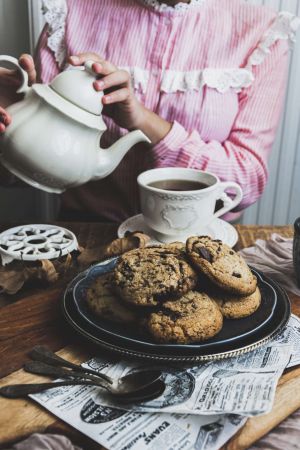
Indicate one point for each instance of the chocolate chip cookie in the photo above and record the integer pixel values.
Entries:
(222, 265)
(104, 304)
(237, 307)
(193, 317)
(149, 276)
(176, 246)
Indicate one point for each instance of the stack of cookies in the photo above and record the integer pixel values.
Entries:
(177, 293)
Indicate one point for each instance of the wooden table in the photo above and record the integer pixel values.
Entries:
(33, 317)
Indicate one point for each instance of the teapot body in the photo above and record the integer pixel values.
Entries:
(53, 142)
(46, 148)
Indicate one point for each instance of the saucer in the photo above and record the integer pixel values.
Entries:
(217, 229)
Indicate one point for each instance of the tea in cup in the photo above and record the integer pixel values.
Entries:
(177, 203)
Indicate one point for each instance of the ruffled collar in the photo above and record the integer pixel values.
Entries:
(163, 7)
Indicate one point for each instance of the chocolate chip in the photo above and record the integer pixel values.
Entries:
(173, 315)
(205, 254)
(231, 252)
(236, 274)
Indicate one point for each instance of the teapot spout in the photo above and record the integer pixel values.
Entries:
(110, 158)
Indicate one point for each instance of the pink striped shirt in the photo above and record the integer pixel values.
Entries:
(216, 69)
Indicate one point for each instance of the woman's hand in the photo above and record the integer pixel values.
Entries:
(10, 81)
(119, 100)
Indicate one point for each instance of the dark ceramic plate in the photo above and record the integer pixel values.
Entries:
(232, 329)
(236, 336)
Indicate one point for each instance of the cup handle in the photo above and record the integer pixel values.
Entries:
(229, 203)
(24, 86)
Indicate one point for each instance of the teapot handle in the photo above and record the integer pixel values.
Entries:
(24, 86)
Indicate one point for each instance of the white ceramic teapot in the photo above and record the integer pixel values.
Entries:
(53, 142)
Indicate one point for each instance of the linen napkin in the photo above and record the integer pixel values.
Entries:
(285, 436)
(274, 257)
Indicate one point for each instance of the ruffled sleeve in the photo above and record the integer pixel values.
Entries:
(50, 53)
(55, 14)
(220, 79)
(284, 27)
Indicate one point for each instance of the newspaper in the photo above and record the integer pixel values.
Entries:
(291, 334)
(244, 385)
(201, 407)
(116, 429)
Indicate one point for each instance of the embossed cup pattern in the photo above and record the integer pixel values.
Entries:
(179, 218)
(174, 214)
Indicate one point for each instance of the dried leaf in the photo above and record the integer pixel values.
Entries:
(129, 242)
(62, 265)
(47, 271)
(11, 281)
(14, 275)
(117, 247)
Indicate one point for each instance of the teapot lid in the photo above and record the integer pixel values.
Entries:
(76, 86)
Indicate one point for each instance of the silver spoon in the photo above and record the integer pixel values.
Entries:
(40, 368)
(21, 390)
(128, 385)
(44, 354)
(150, 392)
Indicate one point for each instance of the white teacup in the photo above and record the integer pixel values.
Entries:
(176, 214)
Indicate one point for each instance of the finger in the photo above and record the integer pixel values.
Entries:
(117, 78)
(2, 126)
(81, 58)
(27, 63)
(104, 68)
(5, 118)
(100, 67)
(116, 97)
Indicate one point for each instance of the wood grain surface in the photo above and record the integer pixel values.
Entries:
(21, 417)
(33, 317)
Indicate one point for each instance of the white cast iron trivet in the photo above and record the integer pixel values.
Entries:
(34, 242)
(218, 229)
